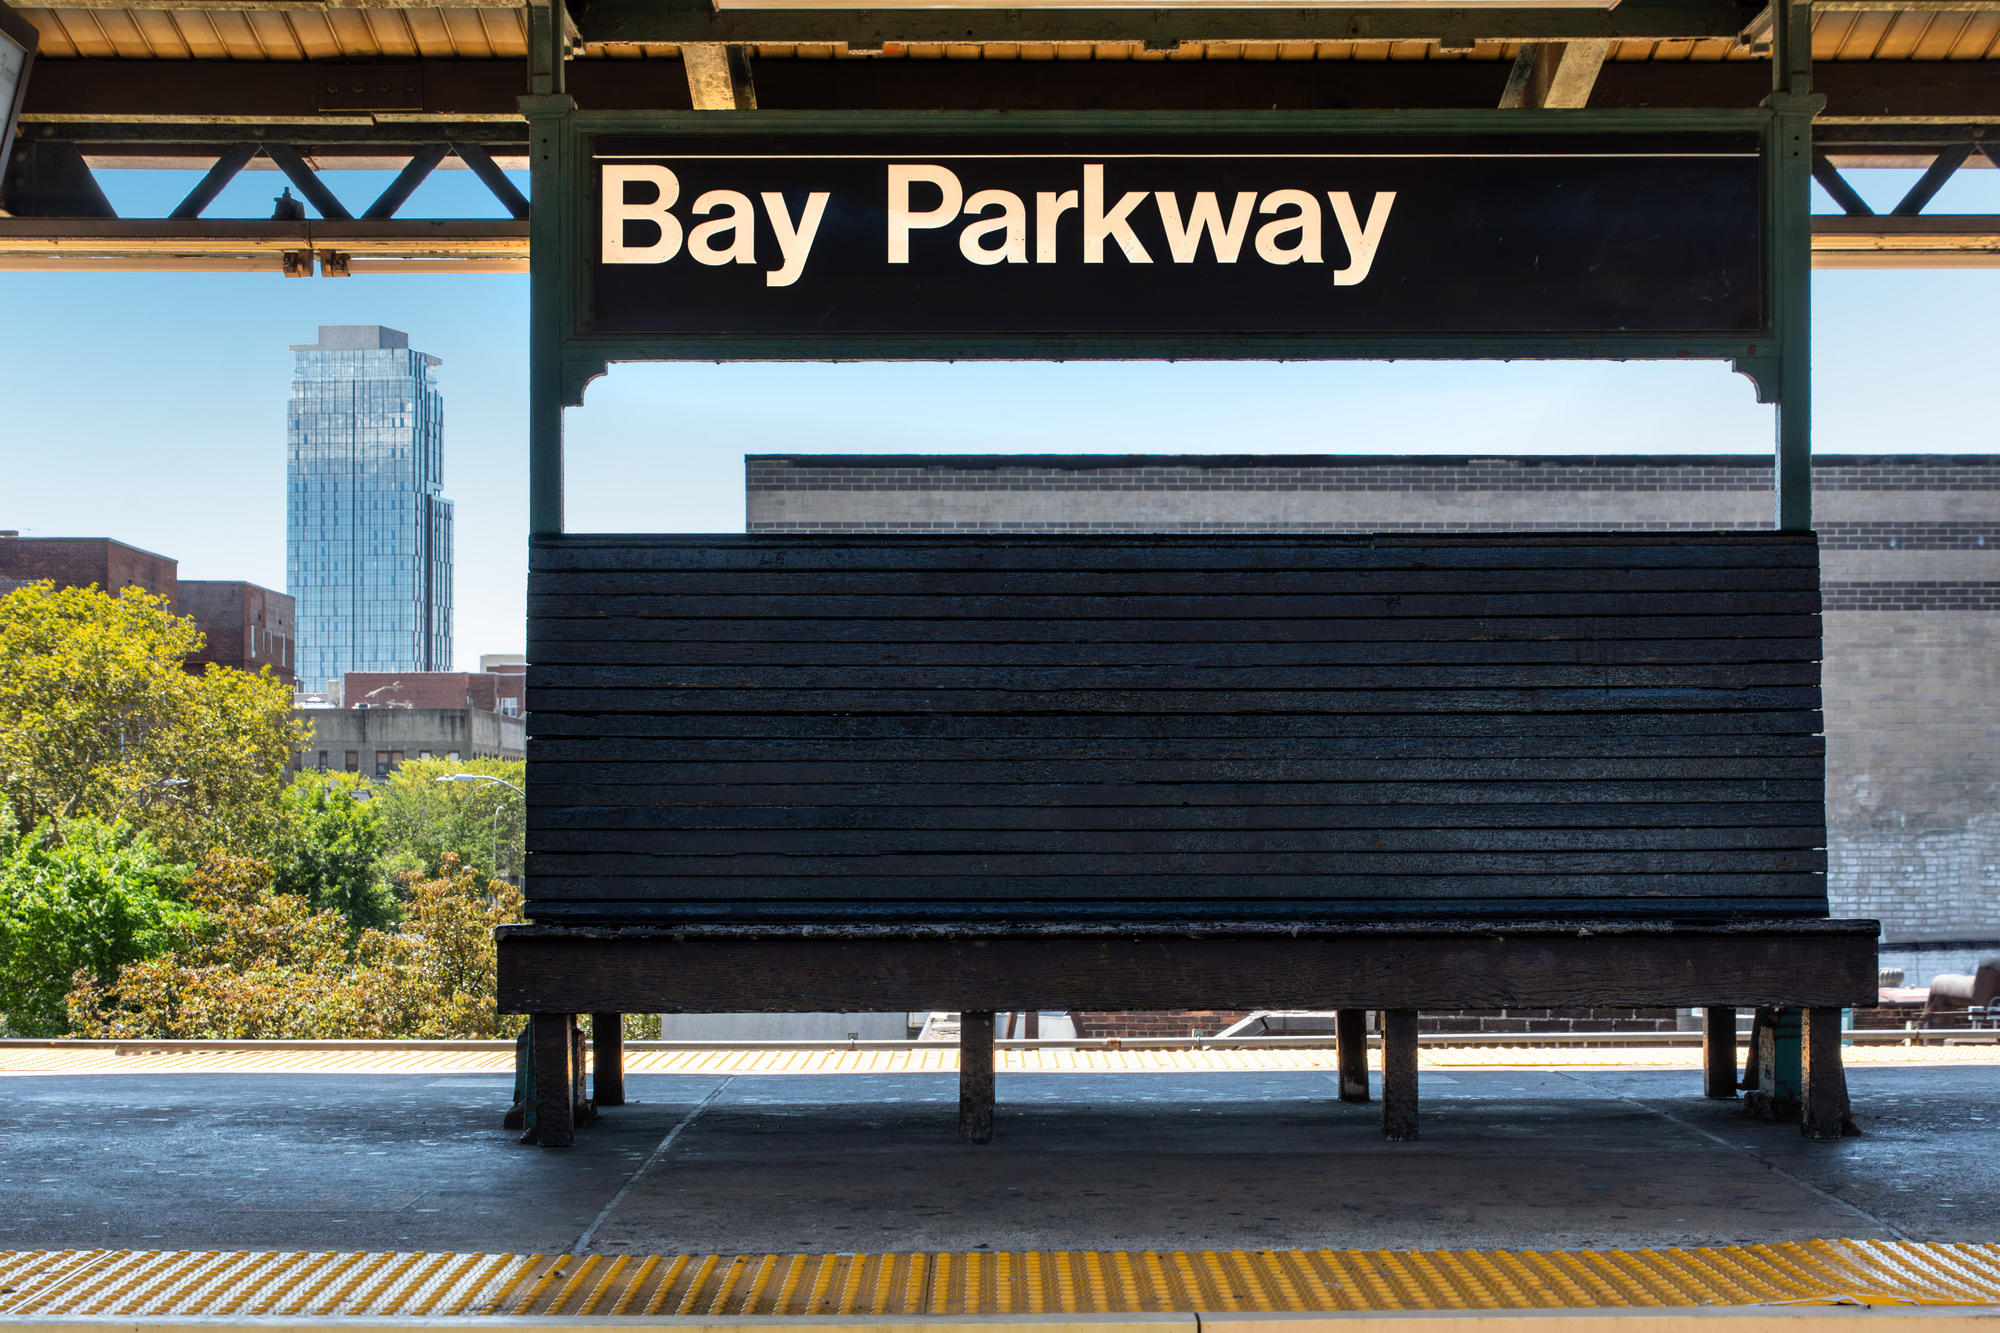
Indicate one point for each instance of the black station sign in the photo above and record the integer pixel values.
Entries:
(951, 235)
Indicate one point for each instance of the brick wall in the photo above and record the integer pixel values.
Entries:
(243, 625)
(1156, 1022)
(1550, 1020)
(486, 691)
(78, 562)
(1208, 1022)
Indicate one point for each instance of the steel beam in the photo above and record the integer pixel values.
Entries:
(420, 165)
(550, 229)
(1789, 226)
(200, 245)
(490, 174)
(718, 78)
(1938, 241)
(1837, 188)
(308, 182)
(1162, 28)
(1908, 110)
(406, 245)
(1555, 75)
(203, 194)
(1941, 170)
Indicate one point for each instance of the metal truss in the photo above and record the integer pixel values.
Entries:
(287, 159)
(61, 219)
(1905, 236)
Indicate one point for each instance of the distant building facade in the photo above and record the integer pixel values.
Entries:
(243, 625)
(78, 562)
(378, 741)
(1910, 570)
(504, 693)
(374, 722)
(368, 532)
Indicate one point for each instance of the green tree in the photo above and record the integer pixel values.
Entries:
(425, 820)
(266, 965)
(99, 717)
(82, 904)
(328, 850)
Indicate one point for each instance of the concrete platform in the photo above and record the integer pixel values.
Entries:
(803, 1164)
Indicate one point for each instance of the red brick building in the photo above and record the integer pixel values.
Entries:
(78, 562)
(503, 692)
(244, 625)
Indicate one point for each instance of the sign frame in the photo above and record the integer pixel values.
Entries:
(564, 357)
(576, 189)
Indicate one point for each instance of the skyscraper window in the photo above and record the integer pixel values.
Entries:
(367, 420)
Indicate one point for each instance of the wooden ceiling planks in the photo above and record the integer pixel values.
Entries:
(86, 29)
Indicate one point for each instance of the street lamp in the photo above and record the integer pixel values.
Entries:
(483, 779)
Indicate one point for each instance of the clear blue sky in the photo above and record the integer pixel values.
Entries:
(151, 407)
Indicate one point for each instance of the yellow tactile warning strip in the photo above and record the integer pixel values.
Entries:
(49, 1285)
(942, 1059)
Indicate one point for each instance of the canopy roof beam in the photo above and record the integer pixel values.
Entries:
(1163, 27)
(479, 245)
(1925, 104)
(718, 78)
(1555, 74)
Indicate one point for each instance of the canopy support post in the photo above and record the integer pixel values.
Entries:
(1790, 196)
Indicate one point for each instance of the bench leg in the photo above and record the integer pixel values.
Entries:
(1776, 1062)
(555, 1109)
(607, 1064)
(1823, 1108)
(975, 1077)
(1399, 1074)
(1718, 1053)
(1350, 1031)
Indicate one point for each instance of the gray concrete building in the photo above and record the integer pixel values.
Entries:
(378, 741)
(1910, 575)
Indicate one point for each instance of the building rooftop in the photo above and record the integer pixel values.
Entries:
(355, 338)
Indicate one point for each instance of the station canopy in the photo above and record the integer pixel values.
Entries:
(304, 86)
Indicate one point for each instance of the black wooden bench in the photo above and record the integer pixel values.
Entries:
(1389, 772)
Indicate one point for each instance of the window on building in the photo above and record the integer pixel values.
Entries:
(322, 761)
(510, 708)
(354, 761)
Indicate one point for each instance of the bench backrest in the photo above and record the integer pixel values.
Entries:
(1066, 730)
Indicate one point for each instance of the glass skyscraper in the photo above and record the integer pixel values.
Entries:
(367, 533)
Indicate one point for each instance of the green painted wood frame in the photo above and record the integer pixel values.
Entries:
(564, 358)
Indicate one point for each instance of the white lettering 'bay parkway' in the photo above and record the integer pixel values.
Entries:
(994, 226)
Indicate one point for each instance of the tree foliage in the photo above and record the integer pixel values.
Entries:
(82, 904)
(424, 821)
(267, 965)
(328, 849)
(98, 717)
